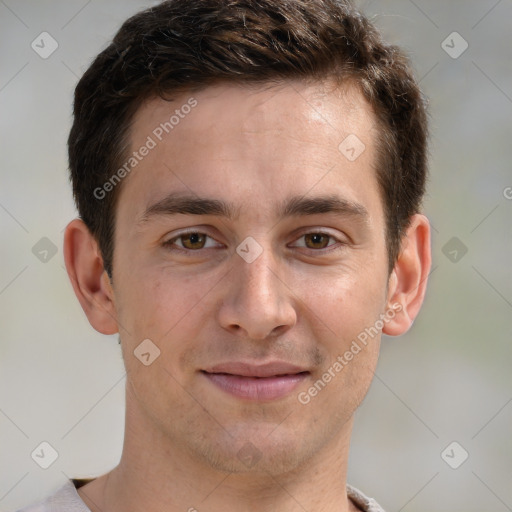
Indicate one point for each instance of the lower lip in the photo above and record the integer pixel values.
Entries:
(256, 388)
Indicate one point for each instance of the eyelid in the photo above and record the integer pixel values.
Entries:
(321, 231)
(318, 230)
(297, 236)
(198, 230)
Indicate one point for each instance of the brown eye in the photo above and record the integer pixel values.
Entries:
(193, 240)
(319, 243)
(317, 240)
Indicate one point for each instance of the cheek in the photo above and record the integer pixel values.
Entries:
(167, 312)
(156, 304)
(345, 303)
(345, 316)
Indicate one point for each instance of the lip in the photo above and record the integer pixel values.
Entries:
(270, 369)
(269, 381)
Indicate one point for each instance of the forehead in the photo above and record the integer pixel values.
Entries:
(254, 142)
(291, 107)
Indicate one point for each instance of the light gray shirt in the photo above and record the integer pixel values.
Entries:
(66, 499)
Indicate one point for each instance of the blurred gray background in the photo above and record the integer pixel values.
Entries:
(442, 392)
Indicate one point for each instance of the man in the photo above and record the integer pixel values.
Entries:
(249, 177)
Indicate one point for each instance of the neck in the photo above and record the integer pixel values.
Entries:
(156, 474)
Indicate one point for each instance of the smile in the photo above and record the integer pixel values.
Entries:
(258, 383)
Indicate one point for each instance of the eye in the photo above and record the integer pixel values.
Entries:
(318, 241)
(192, 241)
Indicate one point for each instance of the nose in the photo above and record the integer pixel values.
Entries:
(257, 301)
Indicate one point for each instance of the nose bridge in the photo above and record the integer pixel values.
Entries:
(258, 300)
(256, 278)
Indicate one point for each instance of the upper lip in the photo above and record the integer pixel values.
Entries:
(270, 369)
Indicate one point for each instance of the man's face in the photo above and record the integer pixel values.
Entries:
(223, 296)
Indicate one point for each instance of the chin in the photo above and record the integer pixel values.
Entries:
(249, 450)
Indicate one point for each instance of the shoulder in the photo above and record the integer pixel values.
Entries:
(362, 501)
(65, 499)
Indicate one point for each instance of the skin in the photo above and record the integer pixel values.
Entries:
(300, 301)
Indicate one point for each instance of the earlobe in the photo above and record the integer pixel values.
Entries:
(408, 280)
(84, 265)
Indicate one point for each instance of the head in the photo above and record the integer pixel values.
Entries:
(285, 115)
(183, 46)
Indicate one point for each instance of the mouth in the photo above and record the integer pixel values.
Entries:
(266, 382)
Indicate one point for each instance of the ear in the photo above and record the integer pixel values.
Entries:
(408, 280)
(90, 281)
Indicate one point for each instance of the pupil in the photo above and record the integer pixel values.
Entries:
(316, 238)
(192, 239)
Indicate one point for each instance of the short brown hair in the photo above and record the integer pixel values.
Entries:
(185, 45)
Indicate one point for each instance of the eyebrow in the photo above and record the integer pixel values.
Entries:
(185, 204)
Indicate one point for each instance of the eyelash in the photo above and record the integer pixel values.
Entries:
(170, 244)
